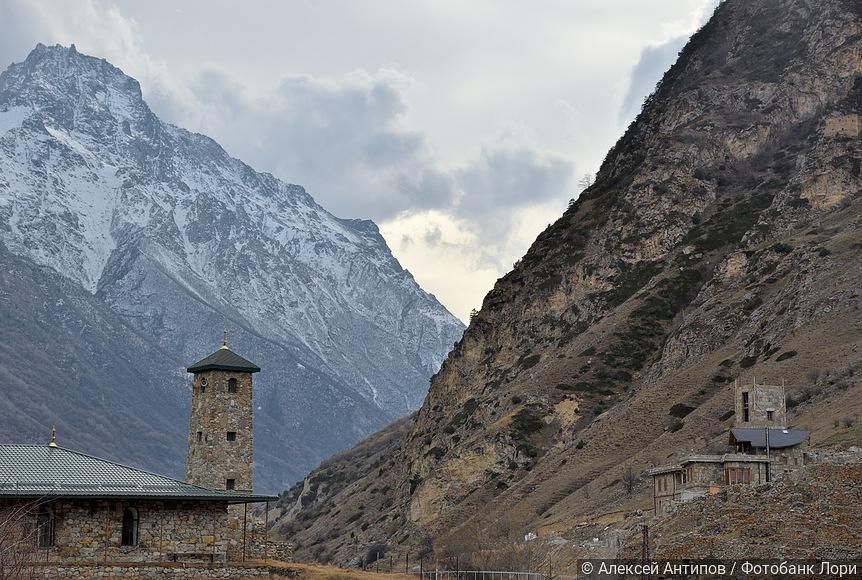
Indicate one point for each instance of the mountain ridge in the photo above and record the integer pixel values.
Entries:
(177, 238)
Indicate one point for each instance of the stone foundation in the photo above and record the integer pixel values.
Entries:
(230, 571)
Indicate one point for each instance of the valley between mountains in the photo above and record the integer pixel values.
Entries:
(721, 240)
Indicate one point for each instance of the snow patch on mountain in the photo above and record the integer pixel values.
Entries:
(145, 216)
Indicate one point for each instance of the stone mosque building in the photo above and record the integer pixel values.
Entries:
(75, 515)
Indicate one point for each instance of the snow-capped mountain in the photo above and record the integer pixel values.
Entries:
(162, 232)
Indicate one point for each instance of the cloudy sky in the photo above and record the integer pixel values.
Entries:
(461, 128)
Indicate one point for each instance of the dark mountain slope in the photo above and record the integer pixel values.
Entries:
(720, 240)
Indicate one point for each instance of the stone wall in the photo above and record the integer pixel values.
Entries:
(834, 456)
(143, 570)
(272, 550)
(258, 545)
(91, 531)
(785, 462)
(703, 474)
(213, 459)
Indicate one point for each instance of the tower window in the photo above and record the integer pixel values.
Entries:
(45, 525)
(200, 436)
(130, 527)
(230, 484)
(231, 435)
(203, 385)
(745, 407)
(231, 385)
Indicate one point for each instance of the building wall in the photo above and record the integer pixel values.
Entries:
(91, 531)
(215, 412)
(761, 400)
(703, 475)
(786, 462)
(666, 489)
(746, 472)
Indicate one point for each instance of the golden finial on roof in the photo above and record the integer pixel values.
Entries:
(224, 342)
(53, 442)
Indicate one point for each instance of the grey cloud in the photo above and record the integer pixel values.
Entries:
(343, 140)
(506, 178)
(433, 237)
(654, 62)
(508, 175)
(340, 138)
(21, 31)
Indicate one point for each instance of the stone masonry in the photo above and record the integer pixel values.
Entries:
(759, 405)
(221, 430)
(164, 570)
(90, 531)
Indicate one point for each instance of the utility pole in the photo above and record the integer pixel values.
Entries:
(645, 551)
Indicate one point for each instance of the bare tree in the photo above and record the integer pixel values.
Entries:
(630, 480)
(585, 181)
(19, 536)
(474, 549)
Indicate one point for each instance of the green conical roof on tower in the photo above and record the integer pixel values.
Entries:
(224, 359)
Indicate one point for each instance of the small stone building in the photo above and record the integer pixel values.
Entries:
(761, 449)
(71, 510)
(699, 475)
(85, 509)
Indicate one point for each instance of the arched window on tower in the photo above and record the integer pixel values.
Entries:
(130, 527)
(231, 385)
(45, 523)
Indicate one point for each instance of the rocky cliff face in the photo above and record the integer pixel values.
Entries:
(160, 231)
(721, 239)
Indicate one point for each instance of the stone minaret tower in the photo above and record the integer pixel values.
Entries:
(221, 445)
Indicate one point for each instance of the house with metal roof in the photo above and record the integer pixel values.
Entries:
(48, 472)
(761, 449)
(69, 508)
